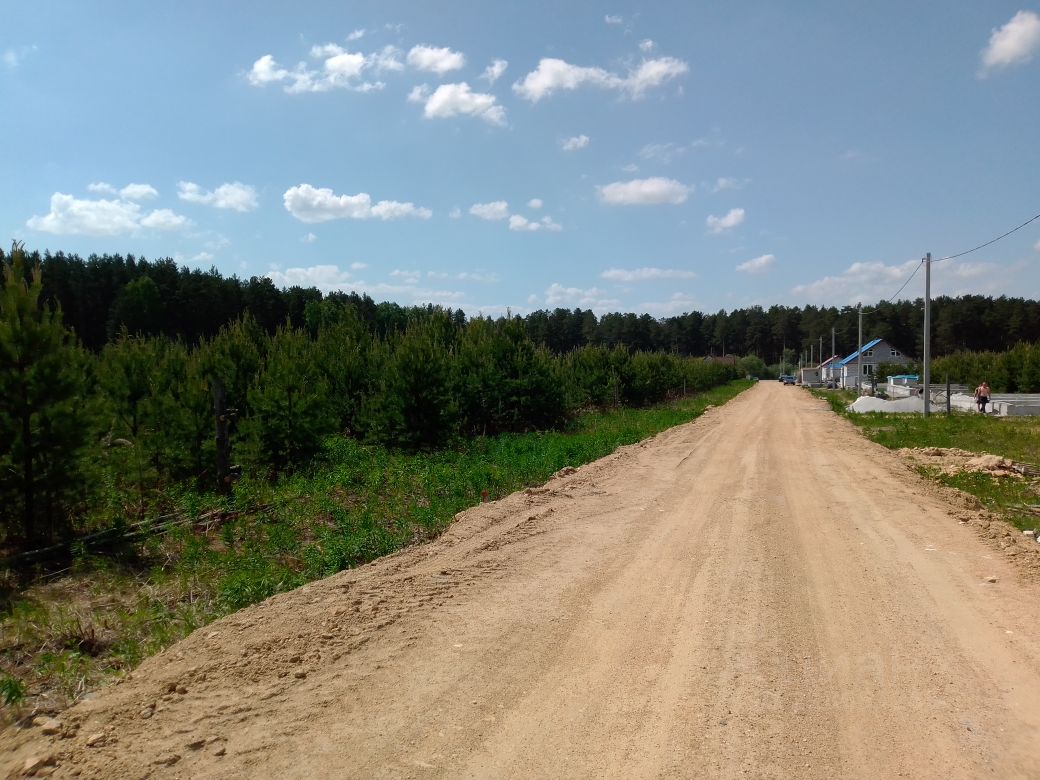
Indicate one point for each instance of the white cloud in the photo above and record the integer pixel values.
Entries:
(312, 205)
(385, 59)
(860, 282)
(358, 266)
(450, 100)
(520, 223)
(493, 71)
(567, 297)
(553, 75)
(1036, 246)
(310, 238)
(337, 69)
(325, 277)
(357, 35)
(534, 203)
(408, 277)
(650, 191)
(653, 73)
(329, 278)
(435, 60)
(138, 192)
(1013, 44)
(630, 168)
(266, 71)
(730, 220)
(757, 265)
(645, 274)
(164, 219)
(455, 213)
(12, 58)
(663, 153)
(646, 45)
(678, 303)
(72, 216)
(495, 210)
(419, 93)
(129, 192)
(728, 183)
(613, 19)
(235, 196)
(574, 143)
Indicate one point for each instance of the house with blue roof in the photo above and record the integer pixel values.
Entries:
(859, 367)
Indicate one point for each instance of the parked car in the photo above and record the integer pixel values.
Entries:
(787, 379)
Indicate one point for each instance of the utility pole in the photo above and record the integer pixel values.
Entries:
(821, 349)
(859, 353)
(927, 330)
(832, 342)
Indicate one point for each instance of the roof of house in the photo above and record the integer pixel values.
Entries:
(865, 347)
(828, 360)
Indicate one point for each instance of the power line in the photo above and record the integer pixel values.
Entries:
(991, 241)
(959, 254)
(908, 280)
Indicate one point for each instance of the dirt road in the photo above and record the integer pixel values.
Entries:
(761, 593)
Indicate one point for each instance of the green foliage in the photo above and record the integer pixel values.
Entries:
(414, 403)
(12, 690)
(1016, 370)
(288, 405)
(42, 409)
(752, 365)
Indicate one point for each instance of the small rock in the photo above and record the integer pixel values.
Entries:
(991, 579)
(49, 725)
(299, 674)
(181, 690)
(170, 687)
(1029, 533)
(96, 739)
(221, 750)
(295, 659)
(196, 744)
(33, 763)
(148, 711)
(168, 760)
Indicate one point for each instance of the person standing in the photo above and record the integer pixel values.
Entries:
(982, 396)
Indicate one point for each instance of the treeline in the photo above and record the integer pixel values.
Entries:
(103, 295)
(95, 437)
(1016, 370)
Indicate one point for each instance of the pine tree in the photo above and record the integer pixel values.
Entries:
(42, 414)
(289, 405)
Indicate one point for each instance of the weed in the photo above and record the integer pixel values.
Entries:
(12, 690)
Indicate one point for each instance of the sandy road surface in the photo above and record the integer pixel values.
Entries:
(761, 593)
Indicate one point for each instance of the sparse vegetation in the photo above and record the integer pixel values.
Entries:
(1014, 438)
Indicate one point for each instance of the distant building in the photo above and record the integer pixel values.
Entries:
(830, 370)
(856, 369)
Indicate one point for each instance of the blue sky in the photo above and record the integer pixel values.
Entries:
(657, 157)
